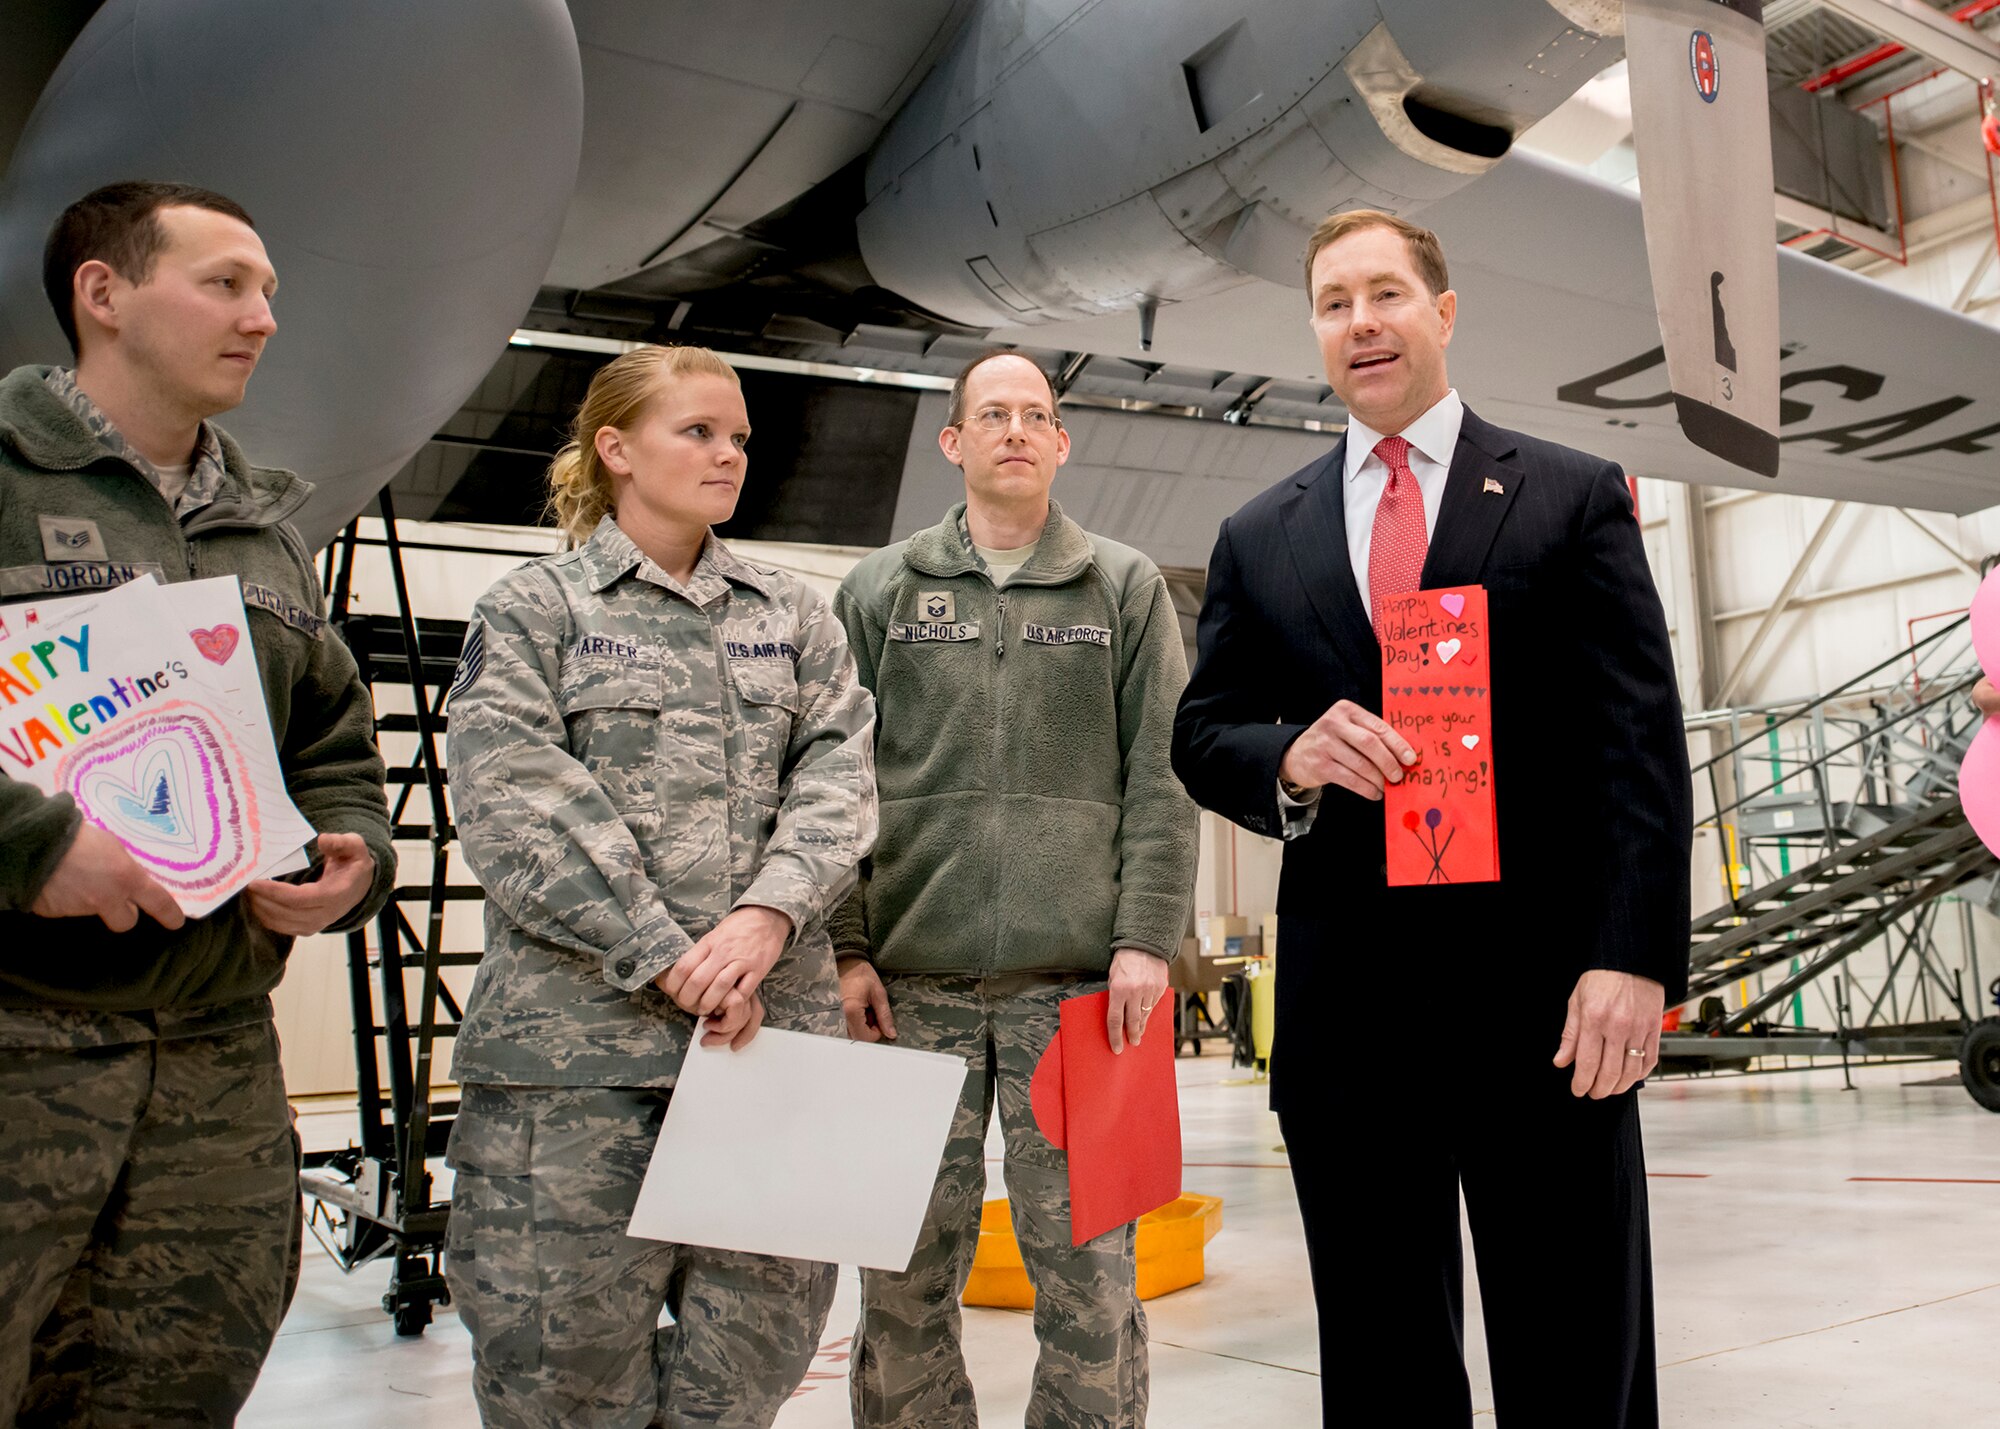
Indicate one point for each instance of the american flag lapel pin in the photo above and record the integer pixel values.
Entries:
(1493, 488)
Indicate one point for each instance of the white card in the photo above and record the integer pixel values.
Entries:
(815, 1148)
(219, 628)
(107, 698)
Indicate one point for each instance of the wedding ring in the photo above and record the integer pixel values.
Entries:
(1635, 1051)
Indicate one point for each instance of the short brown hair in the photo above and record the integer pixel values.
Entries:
(119, 226)
(957, 412)
(1425, 250)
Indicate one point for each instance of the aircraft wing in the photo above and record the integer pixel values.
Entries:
(1888, 399)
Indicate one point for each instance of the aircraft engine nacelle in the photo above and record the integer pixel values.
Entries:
(1070, 161)
(408, 167)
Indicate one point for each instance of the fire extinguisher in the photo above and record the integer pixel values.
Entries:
(1989, 124)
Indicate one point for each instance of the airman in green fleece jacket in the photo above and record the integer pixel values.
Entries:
(149, 1202)
(1034, 846)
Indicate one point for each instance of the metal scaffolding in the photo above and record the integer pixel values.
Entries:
(1842, 830)
(376, 1198)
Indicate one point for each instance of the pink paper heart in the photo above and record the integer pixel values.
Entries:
(217, 643)
(1454, 605)
(1447, 649)
(1979, 784)
(1986, 623)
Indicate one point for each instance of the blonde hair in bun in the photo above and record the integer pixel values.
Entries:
(579, 483)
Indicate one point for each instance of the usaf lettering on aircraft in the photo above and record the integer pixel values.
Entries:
(1850, 384)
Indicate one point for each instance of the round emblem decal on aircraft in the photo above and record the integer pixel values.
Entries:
(1702, 62)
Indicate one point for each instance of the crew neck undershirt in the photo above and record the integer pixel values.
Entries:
(1002, 564)
(174, 481)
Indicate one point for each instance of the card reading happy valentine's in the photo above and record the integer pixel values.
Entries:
(1437, 693)
(113, 699)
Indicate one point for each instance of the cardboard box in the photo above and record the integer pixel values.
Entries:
(1193, 973)
(1218, 930)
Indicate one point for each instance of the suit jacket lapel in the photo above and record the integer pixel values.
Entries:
(1316, 528)
(1472, 509)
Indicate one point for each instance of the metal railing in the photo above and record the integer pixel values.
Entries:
(1840, 829)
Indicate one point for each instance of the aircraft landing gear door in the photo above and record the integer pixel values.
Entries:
(1702, 126)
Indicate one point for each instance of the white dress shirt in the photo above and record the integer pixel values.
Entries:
(1433, 438)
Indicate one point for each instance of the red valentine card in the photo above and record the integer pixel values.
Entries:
(1437, 693)
(1117, 1114)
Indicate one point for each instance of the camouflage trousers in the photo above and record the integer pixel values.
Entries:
(908, 1368)
(149, 1228)
(563, 1306)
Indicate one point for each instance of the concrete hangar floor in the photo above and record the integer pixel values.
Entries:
(1824, 1257)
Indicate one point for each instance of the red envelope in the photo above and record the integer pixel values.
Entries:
(1437, 692)
(1118, 1116)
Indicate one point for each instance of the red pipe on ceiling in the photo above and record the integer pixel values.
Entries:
(1848, 69)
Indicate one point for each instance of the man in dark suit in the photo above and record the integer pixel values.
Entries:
(1484, 1038)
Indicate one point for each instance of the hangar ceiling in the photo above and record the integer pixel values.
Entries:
(758, 257)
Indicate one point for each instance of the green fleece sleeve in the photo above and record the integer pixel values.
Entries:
(1158, 828)
(539, 832)
(847, 921)
(826, 822)
(333, 769)
(36, 830)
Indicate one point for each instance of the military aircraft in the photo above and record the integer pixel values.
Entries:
(1132, 178)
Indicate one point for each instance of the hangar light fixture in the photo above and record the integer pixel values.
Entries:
(749, 361)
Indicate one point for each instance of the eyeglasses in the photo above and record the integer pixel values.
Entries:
(1036, 421)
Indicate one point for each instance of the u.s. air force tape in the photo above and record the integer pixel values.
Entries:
(1066, 634)
(911, 632)
(284, 607)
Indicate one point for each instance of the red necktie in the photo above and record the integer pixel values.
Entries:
(1398, 544)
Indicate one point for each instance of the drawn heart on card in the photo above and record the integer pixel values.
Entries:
(170, 786)
(1447, 649)
(144, 798)
(1470, 741)
(1454, 605)
(217, 643)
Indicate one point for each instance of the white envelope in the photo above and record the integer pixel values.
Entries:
(815, 1148)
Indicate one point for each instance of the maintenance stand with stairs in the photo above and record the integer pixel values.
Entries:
(1841, 827)
(375, 1199)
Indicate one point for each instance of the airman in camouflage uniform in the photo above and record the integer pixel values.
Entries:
(207, 470)
(632, 758)
(149, 1202)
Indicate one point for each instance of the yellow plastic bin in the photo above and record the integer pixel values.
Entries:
(1171, 1253)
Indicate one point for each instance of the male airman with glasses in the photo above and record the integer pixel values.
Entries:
(1035, 846)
